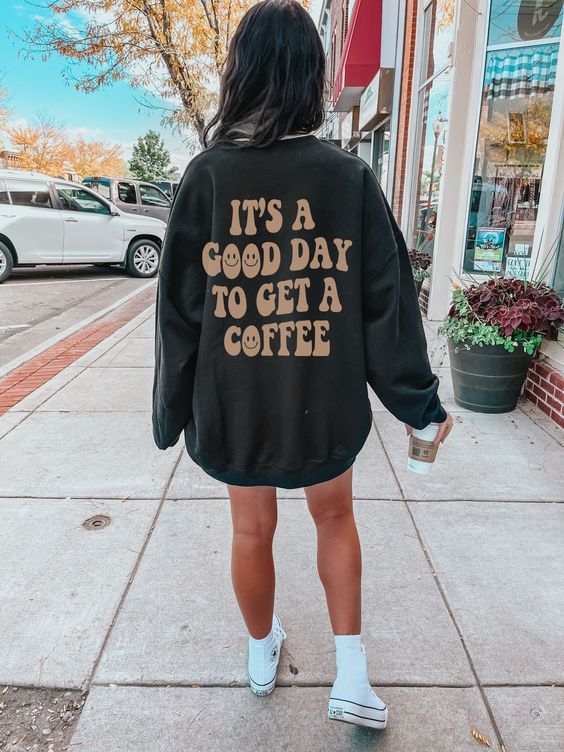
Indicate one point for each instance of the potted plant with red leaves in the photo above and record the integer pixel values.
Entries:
(494, 329)
(420, 266)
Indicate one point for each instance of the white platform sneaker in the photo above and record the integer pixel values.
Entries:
(352, 698)
(263, 660)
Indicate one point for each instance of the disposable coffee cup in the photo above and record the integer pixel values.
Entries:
(422, 451)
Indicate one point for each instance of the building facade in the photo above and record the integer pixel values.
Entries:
(459, 109)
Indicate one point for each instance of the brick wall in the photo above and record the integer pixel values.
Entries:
(339, 28)
(545, 387)
(404, 107)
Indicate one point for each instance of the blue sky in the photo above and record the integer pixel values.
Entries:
(34, 86)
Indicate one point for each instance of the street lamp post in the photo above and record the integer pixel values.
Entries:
(437, 128)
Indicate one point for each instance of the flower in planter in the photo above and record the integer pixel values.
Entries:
(420, 264)
(504, 311)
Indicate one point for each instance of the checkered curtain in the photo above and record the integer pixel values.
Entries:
(514, 74)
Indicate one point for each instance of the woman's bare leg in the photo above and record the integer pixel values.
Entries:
(339, 560)
(254, 514)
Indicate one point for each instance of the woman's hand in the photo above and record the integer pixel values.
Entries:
(444, 429)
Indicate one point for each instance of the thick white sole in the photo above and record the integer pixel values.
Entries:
(261, 690)
(353, 712)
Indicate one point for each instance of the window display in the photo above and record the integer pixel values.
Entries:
(512, 138)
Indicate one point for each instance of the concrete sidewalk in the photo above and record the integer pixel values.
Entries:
(115, 578)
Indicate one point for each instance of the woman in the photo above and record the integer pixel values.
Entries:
(284, 288)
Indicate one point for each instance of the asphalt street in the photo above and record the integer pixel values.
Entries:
(38, 303)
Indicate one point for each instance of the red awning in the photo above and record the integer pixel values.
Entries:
(361, 55)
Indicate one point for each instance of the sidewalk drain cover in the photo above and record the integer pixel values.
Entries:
(96, 523)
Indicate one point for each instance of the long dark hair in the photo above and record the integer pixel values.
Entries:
(274, 77)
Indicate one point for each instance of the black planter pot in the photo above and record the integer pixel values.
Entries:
(487, 379)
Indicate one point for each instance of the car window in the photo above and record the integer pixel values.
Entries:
(78, 199)
(151, 196)
(100, 186)
(126, 193)
(4, 198)
(29, 193)
(166, 187)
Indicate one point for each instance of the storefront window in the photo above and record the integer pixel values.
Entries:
(524, 21)
(381, 153)
(438, 28)
(433, 108)
(512, 138)
(432, 116)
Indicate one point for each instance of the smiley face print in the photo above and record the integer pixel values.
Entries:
(251, 260)
(231, 261)
(251, 341)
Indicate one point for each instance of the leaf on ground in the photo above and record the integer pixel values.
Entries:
(479, 738)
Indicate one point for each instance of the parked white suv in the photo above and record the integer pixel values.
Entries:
(44, 220)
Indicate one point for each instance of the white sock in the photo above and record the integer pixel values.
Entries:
(347, 641)
(348, 657)
(263, 643)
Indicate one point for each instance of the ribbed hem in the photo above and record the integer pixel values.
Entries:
(309, 474)
(279, 477)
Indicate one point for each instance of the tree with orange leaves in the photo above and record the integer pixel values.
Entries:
(42, 147)
(176, 48)
(46, 147)
(95, 158)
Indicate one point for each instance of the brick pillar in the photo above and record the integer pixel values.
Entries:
(404, 106)
(545, 387)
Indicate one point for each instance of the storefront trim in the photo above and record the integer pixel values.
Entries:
(454, 196)
(521, 45)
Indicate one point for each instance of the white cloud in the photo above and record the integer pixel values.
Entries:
(87, 133)
(19, 122)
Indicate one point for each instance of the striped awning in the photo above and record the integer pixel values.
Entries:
(526, 72)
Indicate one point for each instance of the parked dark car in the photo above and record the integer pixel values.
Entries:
(167, 186)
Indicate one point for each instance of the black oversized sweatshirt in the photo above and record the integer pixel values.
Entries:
(284, 289)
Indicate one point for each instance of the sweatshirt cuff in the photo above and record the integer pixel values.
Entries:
(438, 414)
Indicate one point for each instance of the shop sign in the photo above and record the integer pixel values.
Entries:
(489, 249)
(518, 261)
(537, 18)
(376, 100)
(517, 266)
(369, 102)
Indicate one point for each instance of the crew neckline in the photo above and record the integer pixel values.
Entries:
(289, 137)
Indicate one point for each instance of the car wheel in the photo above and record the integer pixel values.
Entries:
(6, 262)
(143, 258)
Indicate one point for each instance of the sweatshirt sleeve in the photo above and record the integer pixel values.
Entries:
(397, 363)
(179, 307)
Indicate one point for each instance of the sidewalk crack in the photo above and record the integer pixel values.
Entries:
(88, 682)
(450, 612)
